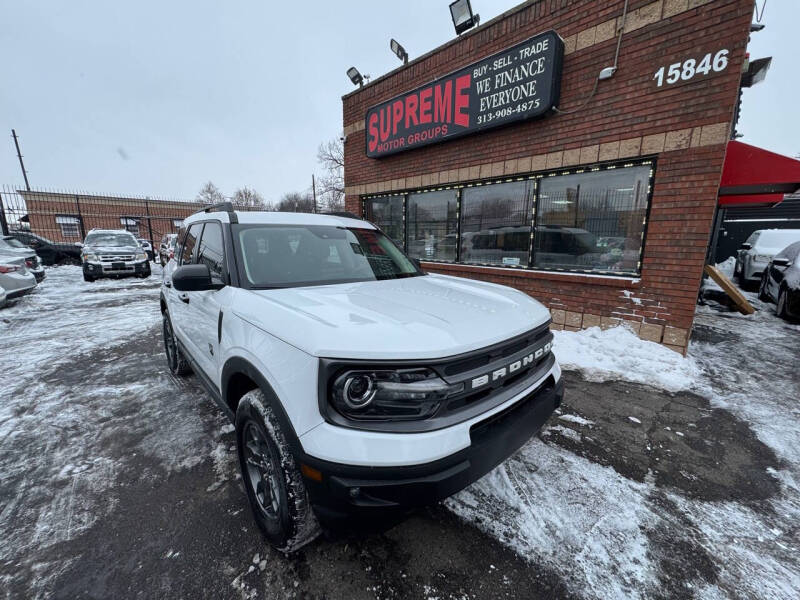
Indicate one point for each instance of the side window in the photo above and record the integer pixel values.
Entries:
(189, 243)
(211, 251)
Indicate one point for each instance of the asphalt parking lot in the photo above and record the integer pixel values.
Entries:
(119, 481)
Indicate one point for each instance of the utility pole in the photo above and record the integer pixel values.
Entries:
(21, 164)
(314, 191)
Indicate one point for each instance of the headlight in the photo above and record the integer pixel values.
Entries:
(141, 256)
(89, 257)
(397, 395)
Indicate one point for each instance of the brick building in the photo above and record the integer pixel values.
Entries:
(601, 209)
(67, 217)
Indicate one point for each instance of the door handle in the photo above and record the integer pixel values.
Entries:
(184, 298)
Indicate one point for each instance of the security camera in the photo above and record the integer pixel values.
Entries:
(343, 139)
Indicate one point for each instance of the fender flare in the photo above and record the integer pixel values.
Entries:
(237, 365)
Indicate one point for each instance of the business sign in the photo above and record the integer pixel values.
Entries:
(519, 83)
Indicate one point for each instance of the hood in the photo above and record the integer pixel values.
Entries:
(421, 317)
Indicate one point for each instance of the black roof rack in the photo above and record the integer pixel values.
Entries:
(222, 207)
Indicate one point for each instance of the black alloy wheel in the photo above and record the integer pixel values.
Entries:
(783, 300)
(263, 469)
(178, 365)
(763, 294)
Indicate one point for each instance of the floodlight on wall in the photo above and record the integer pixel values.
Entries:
(463, 18)
(399, 51)
(355, 76)
(756, 71)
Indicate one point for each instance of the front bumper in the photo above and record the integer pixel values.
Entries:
(95, 269)
(371, 494)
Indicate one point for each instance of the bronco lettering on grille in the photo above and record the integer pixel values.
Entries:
(497, 374)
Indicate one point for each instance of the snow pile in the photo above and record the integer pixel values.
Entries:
(617, 353)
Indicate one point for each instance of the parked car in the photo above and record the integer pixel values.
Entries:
(754, 255)
(113, 253)
(359, 386)
(10, 246)
(780, 282)
(166, 249)
(51, 253)
(147, 247)
(15, 278)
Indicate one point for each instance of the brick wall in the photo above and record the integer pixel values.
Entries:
(101, 212)
(685, 126)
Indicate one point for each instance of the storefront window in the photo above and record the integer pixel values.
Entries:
(432, 230)
(592, 221)
(589, 221)
(387, 213)
(496, 223)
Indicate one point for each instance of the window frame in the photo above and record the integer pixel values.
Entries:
(537, 176)
(201, 226)
(78, 223)
(196, 251)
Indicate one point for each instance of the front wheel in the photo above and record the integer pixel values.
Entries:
(783, 300)
(763, 295)
(88, 278)
(177, 362)
(274, 485)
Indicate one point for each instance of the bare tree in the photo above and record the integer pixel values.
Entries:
(330, 189)
(296, 202)
(246, 197)
(210, 194)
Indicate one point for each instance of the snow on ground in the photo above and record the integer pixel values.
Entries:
(584, 520)
(619, 354)
(594, 526)
(60, 437)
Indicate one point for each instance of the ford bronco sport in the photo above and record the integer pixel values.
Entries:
(359, 386)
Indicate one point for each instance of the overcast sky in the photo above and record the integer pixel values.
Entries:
(155, 98)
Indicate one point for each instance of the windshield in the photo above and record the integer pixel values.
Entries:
(111, 239)
(777, 239)
(10, 242)
(304, 255)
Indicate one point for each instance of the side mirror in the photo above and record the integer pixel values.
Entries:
(745, 246)
(780, 262)
(193, 278)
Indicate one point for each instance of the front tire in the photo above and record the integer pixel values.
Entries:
(178, 365)
(763, 295)
(783, 300)
(88, 278)
(272, 479)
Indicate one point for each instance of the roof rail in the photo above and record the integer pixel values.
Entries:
(219, 207)
(226, 206)
(343, 213)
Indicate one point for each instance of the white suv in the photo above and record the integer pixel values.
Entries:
(359, 385)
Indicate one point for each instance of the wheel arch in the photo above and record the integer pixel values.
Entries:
(240, 376)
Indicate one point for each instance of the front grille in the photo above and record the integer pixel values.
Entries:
(116, 257)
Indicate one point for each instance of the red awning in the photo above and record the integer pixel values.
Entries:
(755, 176)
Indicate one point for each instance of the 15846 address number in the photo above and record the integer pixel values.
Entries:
(690, 68)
